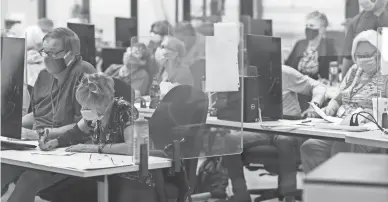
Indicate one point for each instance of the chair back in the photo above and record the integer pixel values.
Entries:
(180, 116)
(198, 72)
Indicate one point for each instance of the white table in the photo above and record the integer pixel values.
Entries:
(370, 138)
(349, 177)
(294, 130)
(28, 160)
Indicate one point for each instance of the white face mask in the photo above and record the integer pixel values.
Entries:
(91, 115)
(368, 65)
(156, 37)
(367, 5)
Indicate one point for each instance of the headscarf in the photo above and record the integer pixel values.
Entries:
(370, 36)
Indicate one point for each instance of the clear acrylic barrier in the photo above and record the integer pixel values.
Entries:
(189, 101)
(380, 101)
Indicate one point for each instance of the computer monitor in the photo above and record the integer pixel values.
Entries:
(12, 77)
(86, 36)
(111, 56)
(126, 28)
(264, 52)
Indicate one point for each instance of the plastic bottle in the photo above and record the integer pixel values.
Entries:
(154, 95)
(140, 136)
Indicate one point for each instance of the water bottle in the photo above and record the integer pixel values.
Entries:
(140, 136)
(154, 95)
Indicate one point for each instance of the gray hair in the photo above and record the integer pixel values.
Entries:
(318, 15)
(70, 39)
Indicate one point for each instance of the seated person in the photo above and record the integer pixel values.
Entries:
(194, 42)
(135, 71)
(373, 15)
(360, 84)
(159, 30)
(54, 104)
(312, 56)
(169, 57)
(195, 50)
(293, 83)
(106, 127)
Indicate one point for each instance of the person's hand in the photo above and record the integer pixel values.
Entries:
(310, 113)
(50, 145)
(328, 111)
(29, 134)
(83, 148)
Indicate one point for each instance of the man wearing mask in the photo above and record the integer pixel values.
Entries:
(53, 103)
(373, 16)
(159, 30)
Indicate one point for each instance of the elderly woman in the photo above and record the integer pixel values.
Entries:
(106, 127)
(169, 57)
(312, 56)
(136, 69)
(362, 82)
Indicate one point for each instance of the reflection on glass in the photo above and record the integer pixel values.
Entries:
(182, 112)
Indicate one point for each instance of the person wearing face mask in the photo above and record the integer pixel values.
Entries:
(360, 84)
(54, 106)
(172, 70)
(136, 69)
(158, 31)
(312, 56)
(373, 16)
(103, 109)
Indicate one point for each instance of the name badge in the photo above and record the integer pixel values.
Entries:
(341, 111)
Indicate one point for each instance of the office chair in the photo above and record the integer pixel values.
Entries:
(266, 155)
(181, 116)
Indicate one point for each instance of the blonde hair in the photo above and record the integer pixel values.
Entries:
(318, 15)
(95, 91)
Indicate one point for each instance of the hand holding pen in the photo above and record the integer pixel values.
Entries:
(44, 144)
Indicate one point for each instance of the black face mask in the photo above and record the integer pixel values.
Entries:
(311, 33)
(55, 66)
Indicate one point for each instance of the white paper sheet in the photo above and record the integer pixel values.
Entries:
(322, 114)
(222, 73)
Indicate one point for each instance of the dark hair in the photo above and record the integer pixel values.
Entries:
(69, 39)
(162, 28)
(185, 26)
(10, 23)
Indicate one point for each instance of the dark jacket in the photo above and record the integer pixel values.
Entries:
(326, 51)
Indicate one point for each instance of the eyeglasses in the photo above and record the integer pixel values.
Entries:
(43, 53)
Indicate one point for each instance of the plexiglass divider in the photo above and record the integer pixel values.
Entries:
(178, 89)
(380, 101)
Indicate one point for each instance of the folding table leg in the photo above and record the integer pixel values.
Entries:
(103, 190)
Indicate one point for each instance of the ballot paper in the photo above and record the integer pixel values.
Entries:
(322, 114)
(383, 43)
(222, 74)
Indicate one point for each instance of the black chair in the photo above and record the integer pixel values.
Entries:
(181, 116)
(265, 157)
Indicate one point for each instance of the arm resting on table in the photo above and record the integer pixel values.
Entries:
(73, 136)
